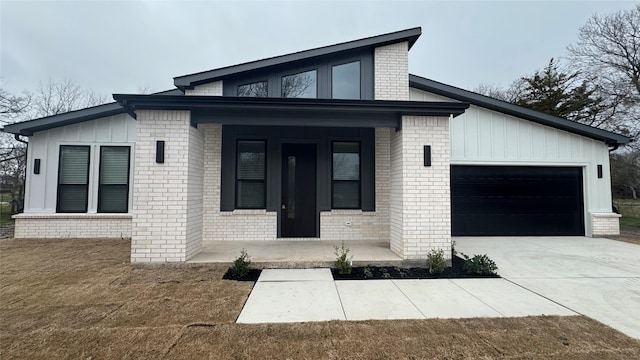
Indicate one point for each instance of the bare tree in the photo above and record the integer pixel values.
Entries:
(12, 106)
(509, 94)
(609, 47)
(54, 98)
(608, 52)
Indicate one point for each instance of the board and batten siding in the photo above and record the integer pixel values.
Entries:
(41, 192)
(484, 137)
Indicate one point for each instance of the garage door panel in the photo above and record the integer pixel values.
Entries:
(516, 200)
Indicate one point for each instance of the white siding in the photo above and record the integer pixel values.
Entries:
(485, 137)
(41, 189)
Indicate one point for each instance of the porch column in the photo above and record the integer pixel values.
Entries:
(167, 196)
(420, 195)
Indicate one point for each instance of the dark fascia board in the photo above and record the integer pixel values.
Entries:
(191, 80)
(240, 108)
(504, 107)
(28, 128)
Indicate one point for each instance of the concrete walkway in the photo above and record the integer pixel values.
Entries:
(299, 295)
(599, 278)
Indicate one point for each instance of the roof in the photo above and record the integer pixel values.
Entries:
(504, 107)
(191, 80)
(28, 128)
(291, 111)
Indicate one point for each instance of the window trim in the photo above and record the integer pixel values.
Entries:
(359, 181)
(236, 180)
(100, 180)
(59, 186)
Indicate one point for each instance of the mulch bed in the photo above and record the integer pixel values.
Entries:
(253, 275)
(391, 272)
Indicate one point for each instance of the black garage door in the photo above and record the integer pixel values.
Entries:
(516, 200)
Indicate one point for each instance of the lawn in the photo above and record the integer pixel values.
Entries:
(81, 299)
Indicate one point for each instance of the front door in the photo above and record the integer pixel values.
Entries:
(298, 206)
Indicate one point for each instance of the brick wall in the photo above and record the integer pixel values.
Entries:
(72, 226)
(420, 196)
(160, 226)
(391, 72)
(208, 89)
(195, 192)
(605, 224)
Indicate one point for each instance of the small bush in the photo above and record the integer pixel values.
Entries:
(367, 273)
(435, 261)
(241, 264)
(343, 260)
(479, 265)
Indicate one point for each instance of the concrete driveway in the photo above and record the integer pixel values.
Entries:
(599, 278)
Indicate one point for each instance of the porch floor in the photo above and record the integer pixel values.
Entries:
(301, 253)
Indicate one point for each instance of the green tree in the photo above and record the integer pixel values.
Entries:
(562, 94)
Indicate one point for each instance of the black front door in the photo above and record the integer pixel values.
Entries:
(298, 207)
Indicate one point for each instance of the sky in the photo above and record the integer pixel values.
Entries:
(125, 46)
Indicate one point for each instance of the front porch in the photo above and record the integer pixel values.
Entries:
(297, 253)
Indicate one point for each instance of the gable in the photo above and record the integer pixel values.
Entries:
(481, 135)
(299, 59)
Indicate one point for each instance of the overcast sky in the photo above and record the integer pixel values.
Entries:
(124, 46)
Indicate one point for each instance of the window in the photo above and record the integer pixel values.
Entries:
(345, 184)
(73, 179)
(345, 81)
(257, 89)
(250, 175)
(113, 188)
(301, 85)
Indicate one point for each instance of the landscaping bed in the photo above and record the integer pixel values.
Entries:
(392, 272)
(252, 275)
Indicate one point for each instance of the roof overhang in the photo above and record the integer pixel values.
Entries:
(191, 80)
(291, 112)
(28, 128)
(504, 107)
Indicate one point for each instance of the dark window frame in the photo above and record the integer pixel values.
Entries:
(100, 184)
(314, 69)
(265, 81)
(336, 64)
(359, 181)
(60, 186)
(263, 181)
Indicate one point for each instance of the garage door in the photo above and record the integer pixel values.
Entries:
(516, 200)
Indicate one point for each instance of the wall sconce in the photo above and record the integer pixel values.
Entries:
(36, 166)
(427, 155)
(599, 171)
(160, 151)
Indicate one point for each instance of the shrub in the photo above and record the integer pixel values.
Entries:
(368, 273)
(479, 265)
(435, 261)
(343, 260)
(241, 264)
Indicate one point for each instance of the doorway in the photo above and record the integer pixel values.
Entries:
(298, 215)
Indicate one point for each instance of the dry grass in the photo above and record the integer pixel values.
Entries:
(81, 299)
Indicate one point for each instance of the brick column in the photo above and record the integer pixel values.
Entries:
(420, 196)
(167, 197)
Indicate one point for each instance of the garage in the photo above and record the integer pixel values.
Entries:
(516, 200)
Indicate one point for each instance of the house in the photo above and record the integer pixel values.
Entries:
(334, 143)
